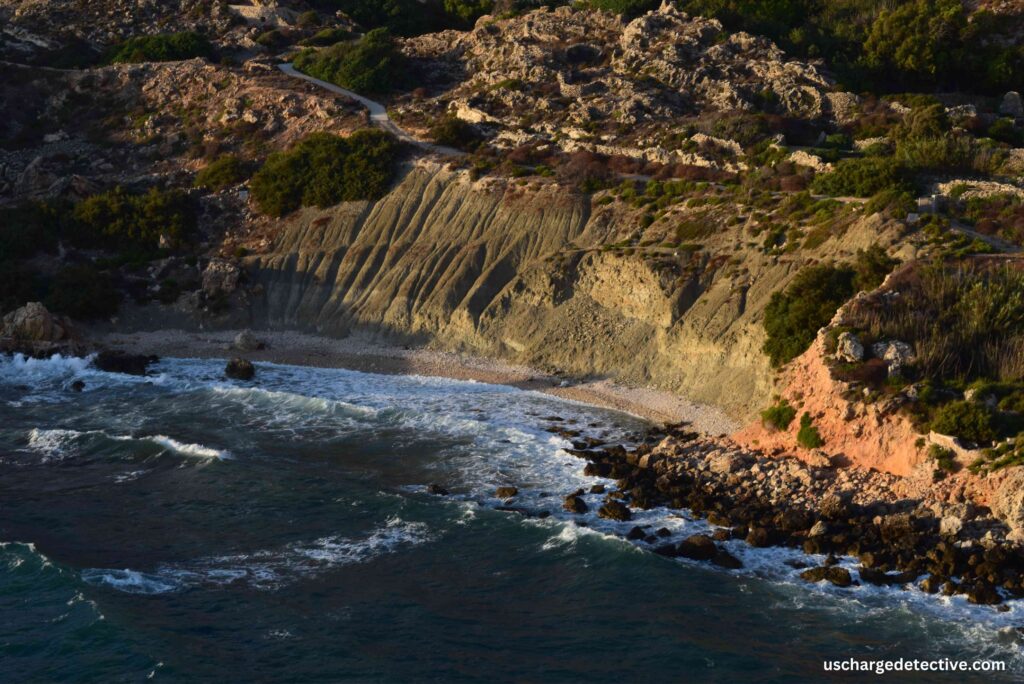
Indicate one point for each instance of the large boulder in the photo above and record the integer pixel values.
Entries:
(34, 323)
(246, 341)
(1007, 501)
(834, 574)
(240, 369)
(221, 277)
(615, 510)
(896, 354)
(1011, 105)
(849, 348)
(120, 362)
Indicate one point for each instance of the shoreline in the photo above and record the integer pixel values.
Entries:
(362, 353)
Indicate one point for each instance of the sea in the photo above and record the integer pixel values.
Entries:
(183, 527)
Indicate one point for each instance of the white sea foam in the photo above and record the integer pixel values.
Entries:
(267, 569)
(130, 581)
(58, 444)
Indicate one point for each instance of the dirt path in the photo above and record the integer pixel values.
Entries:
(378, 113)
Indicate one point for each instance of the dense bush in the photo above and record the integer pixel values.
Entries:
(222, 173)
(82, 292)
(885, 45)
(871, 266)
(793, 317)
(324, 169)
(161, 48)
(627, 8)
(454, 132)
(808, 436)
(29, 228)
(965, 319)
(124, 222)
(373, 65)
(859, 178)
(779, 415)
(966, 420)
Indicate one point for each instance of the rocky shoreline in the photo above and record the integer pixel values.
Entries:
(900, 535)
(941, 547)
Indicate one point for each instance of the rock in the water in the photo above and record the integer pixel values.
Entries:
(77, 386)
(575, 504)
(849, 348)
(636, 534)
(834, 574)
(615, 510)
(120, 362)
(505, 492)
(698, 547)
(724, 559)
(240, 369)
(246, 341)
(437, 490)
(983, 594)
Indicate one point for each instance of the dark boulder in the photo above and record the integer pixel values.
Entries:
(698, 547)
(240, 369)
(636, 534)
(77, 386)
(834, 574)
(437, 490)
(725, 559)
(983, 594)
(506, 492)
(614, 510)
(119, 362)
(574, 504)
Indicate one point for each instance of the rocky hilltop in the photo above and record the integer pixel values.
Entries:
(580, 79)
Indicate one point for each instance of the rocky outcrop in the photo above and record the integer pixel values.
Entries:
(33, 330)
(583, 79)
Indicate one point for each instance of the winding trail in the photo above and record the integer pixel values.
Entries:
(378, 113)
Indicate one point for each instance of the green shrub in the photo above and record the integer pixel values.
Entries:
(967, 420)
(627, 8)
(944, 458)
(454, 132)
(308, 19)
(792, 318)
(871, 266)
(324, 169)
(29, 228)
(222, 173)
(328, 36)
(893, 201)
(808, 436)
(273, 39)
(861, 177)
(84, 293)
(168, 47)
(779, 415)
(467, 11)
(373, 65)
(965, 319)
(125, 222)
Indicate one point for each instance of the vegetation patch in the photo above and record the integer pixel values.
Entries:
(168, 47)
(373, 65)
(323, 170)
(779, 416)
(808, 436)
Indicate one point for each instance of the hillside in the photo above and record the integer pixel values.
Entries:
(676, 196)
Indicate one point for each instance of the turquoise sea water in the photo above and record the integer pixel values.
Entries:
(186, 528)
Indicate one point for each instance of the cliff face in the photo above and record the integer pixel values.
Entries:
(526, 273)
